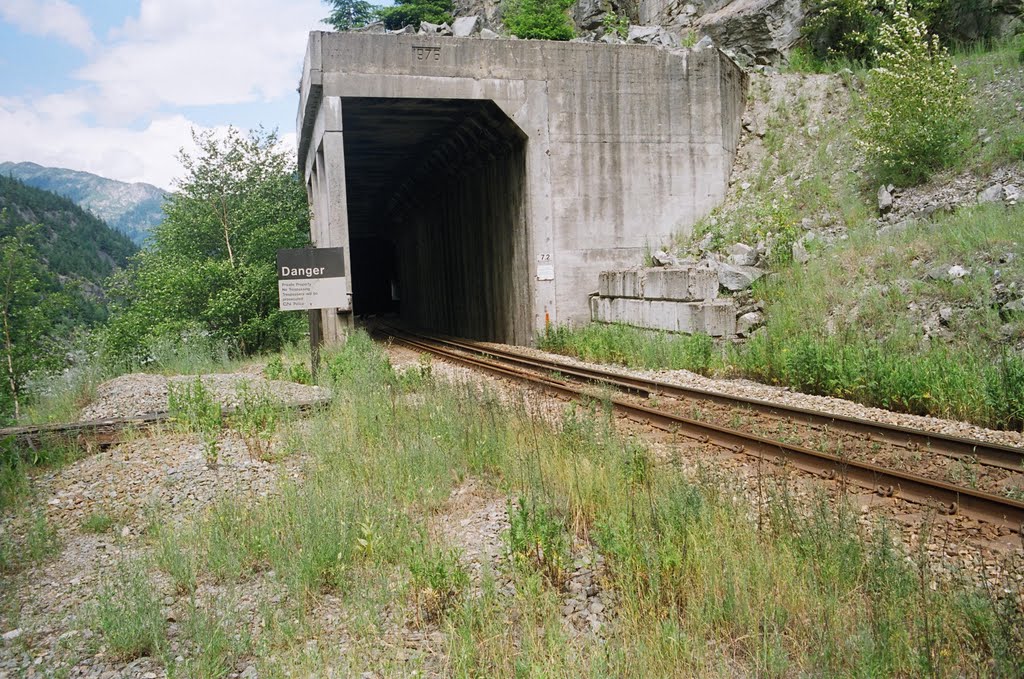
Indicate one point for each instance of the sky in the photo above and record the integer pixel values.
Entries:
(115, 87)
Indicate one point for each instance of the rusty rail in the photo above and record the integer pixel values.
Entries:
(991, 454)
(942, 496)
(106, 432)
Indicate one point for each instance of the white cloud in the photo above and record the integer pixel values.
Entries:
(149, 154)
(49, 17)
(201, 53)
(125, 121)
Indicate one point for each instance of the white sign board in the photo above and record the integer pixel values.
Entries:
(312, 278)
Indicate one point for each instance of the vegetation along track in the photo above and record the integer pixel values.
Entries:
(562, 379)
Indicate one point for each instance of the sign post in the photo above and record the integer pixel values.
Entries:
(312, 279)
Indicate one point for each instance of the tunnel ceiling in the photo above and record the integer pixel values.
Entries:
(392, 145)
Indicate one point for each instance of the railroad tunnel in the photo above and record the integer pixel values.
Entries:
(437, 218)
(480, 187)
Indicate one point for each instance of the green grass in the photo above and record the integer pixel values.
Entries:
(212, 632)
(631, 347)
(127, 614)
(17, 463)
(97, 522)
(998, 81)
(703, 587)
(844, 324)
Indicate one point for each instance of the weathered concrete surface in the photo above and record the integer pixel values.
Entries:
(716, 318)
(679, 299)
(509, 174)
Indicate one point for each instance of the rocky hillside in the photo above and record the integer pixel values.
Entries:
(79, 249)
(753, 32)
(132, 209)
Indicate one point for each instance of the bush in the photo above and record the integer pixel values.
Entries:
(539, 19)
(843, 29)
(412, 12)
(917, 104)
(851, 30)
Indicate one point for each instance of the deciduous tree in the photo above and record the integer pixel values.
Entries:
(210, 266)
(30, 312)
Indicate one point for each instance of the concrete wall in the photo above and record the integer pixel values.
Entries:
(625, 145)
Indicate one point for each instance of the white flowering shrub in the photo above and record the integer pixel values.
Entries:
(917, 103)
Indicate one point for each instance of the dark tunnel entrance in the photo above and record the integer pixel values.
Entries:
(436, 193)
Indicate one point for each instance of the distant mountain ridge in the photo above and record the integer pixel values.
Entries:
(132, 209)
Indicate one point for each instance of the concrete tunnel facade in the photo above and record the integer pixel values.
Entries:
(489, 182)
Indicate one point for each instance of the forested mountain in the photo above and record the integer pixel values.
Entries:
(77, 248)
(74, 242)
(132, 209)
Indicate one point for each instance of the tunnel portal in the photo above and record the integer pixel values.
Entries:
(479, 187)
(436, 214)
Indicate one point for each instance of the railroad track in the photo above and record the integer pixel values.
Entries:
(106, 432)
(563, 379)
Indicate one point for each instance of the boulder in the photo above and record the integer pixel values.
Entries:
(405, 30)
(651, 35)
(704, 43)
(662, 258)
(800, 254)
(749, 321)
(705, 243)
(488, 34)
(755, 28)
(957, 271)
(992, 194)
(1015, 306)
(1011, 194)
(427, 28)
(589, 14)
(947, 273)
(643, 35)
(894, 229)
(736, 278)
(741, 254)
(375, 27)
(463, 27)
(884, 199)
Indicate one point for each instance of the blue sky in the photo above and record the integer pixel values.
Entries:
(115, 87)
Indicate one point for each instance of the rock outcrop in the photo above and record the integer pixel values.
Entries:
(762, 31)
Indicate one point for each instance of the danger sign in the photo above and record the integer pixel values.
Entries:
(312, 278)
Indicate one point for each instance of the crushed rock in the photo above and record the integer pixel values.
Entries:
(142, 393)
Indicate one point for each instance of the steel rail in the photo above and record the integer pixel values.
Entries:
(942, 496)
(990, 454)
(105, 432)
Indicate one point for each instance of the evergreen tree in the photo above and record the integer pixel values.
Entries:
(349, 14)
(412, 12)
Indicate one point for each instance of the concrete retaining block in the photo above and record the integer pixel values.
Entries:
(688, 284)
(662, 315)
(654, 283)
(717, 318)
(720, 318)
